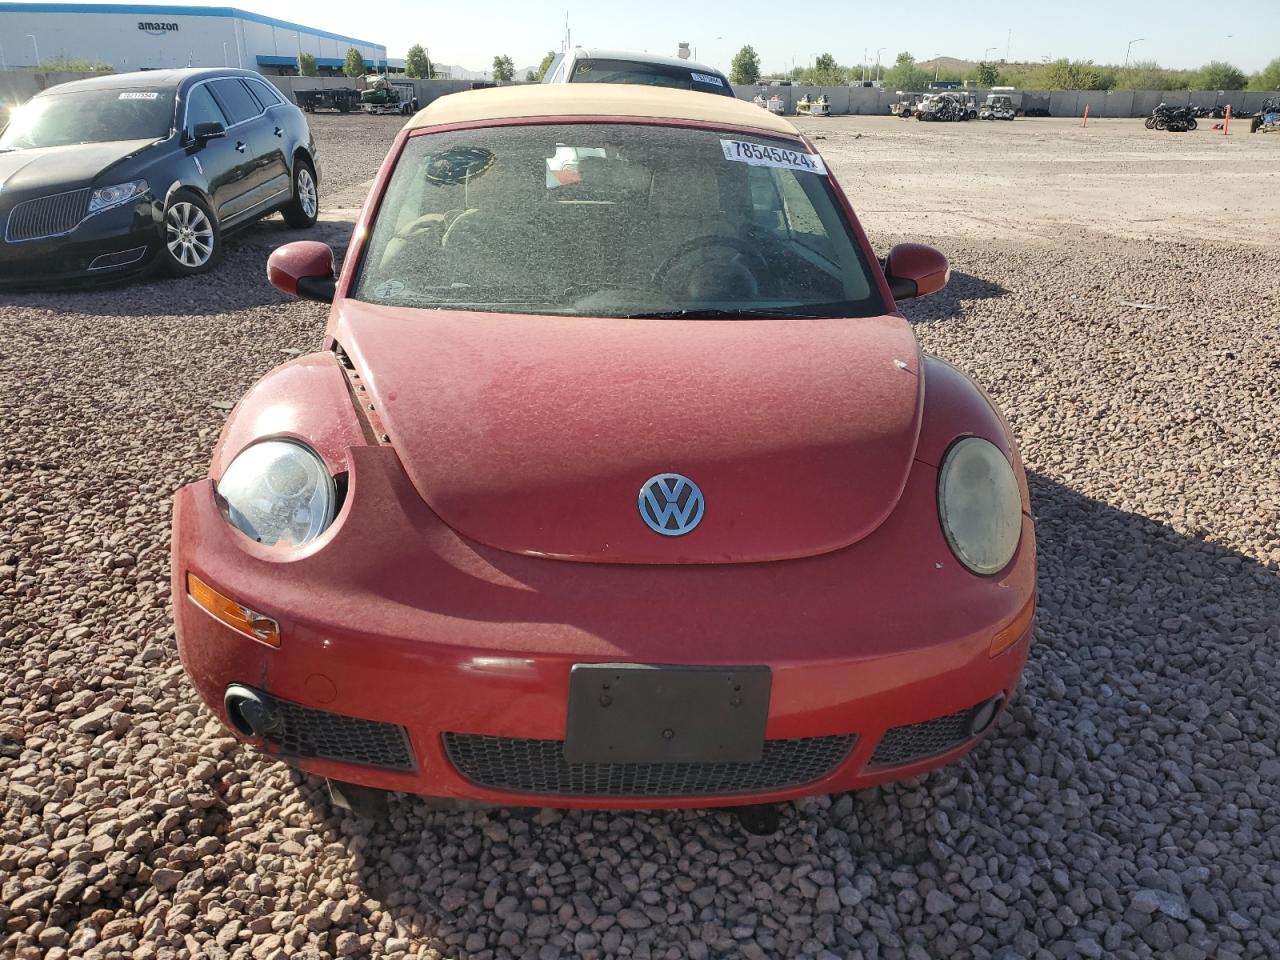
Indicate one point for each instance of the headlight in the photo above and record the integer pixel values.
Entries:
(980, 505)
(104, 198)
(278, 492)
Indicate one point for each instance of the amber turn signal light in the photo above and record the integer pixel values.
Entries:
(1008, 635)
(236, 616)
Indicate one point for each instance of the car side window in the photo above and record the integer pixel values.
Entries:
(235, 100)
(803, 222)
(202, 108)
(766, 204)
(262, 93)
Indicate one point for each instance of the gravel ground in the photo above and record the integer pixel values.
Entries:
(1126, 806)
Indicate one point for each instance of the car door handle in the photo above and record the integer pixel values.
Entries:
(279, 132)
(240, 145)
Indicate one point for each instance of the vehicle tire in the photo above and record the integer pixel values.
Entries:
(344, 107)
(1150, 123)
(1191, 123)
(302, 211)
(973, 114)
(192, 240)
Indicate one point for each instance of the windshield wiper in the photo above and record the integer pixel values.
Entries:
(716, 313)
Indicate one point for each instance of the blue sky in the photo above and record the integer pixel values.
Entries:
(1177, 33)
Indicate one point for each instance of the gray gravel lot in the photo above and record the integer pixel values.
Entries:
(1127, 806)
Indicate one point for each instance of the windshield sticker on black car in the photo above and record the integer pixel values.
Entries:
(707, 78)
(139, 95)
(760, 155)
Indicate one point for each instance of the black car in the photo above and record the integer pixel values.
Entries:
(117, 174)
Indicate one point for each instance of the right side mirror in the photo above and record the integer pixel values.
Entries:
(209, 130)
(915, 270)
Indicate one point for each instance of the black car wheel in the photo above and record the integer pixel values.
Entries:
(192, 241)
(304, 208)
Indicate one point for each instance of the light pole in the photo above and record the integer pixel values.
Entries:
(3, 64)
(225, 61)
(1130, 47)
(986, 51)
(937, 65)
(878, 52)
(32, 38)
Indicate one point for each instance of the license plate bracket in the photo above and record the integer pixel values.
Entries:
(652, 713)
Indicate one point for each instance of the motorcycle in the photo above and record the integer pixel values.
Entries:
(1173, 119)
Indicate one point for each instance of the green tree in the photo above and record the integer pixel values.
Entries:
(1268, 79)
(354, 65)
(503, 68)
(306, 65)
(828, 73)
(905, 75)
(416, 64)
(1067, 74)
(987, 75)
(1218, 76)
(745, 67)
(542, 67)
(1149, 75)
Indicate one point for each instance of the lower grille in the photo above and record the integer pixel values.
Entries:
(301, 731)
(538, 766)
(916, 741)
(47, 216)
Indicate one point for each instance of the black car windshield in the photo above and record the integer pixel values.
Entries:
(652, 74)
(614, 220)
(90, 116)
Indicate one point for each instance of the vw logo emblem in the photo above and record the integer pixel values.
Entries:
(671, 504)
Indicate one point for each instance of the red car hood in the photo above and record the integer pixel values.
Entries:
(535, 434)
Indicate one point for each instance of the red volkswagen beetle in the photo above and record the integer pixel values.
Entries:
(618, 480)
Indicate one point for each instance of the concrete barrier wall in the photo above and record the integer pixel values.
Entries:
(424, 90)
(17, 86)
(1059, 103)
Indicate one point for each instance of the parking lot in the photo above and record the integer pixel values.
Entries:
(1116, 291)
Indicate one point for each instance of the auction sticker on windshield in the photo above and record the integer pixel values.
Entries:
(762, 155)
(707, 78)
(139, 95)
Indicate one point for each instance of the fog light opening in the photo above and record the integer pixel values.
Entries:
(248, 713)
(984, 715)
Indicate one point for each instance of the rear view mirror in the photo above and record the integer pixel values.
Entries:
(209, 130)
(303, 269)
(915, 270)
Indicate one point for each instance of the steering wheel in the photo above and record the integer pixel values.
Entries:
(699, 243)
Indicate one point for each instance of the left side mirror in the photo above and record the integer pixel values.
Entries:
(303, 269)
(915, 270)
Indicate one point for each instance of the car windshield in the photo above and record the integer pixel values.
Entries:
(593, 70)
(90, 116)
(614, 220)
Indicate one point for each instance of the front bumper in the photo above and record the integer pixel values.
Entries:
(393, 618)
(107, 246)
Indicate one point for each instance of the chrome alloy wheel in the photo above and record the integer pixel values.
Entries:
(306, 192)
(188, 234)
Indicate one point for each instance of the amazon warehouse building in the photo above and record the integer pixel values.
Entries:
(128, 37)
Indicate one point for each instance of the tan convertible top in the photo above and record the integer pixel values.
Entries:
(596, 100)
